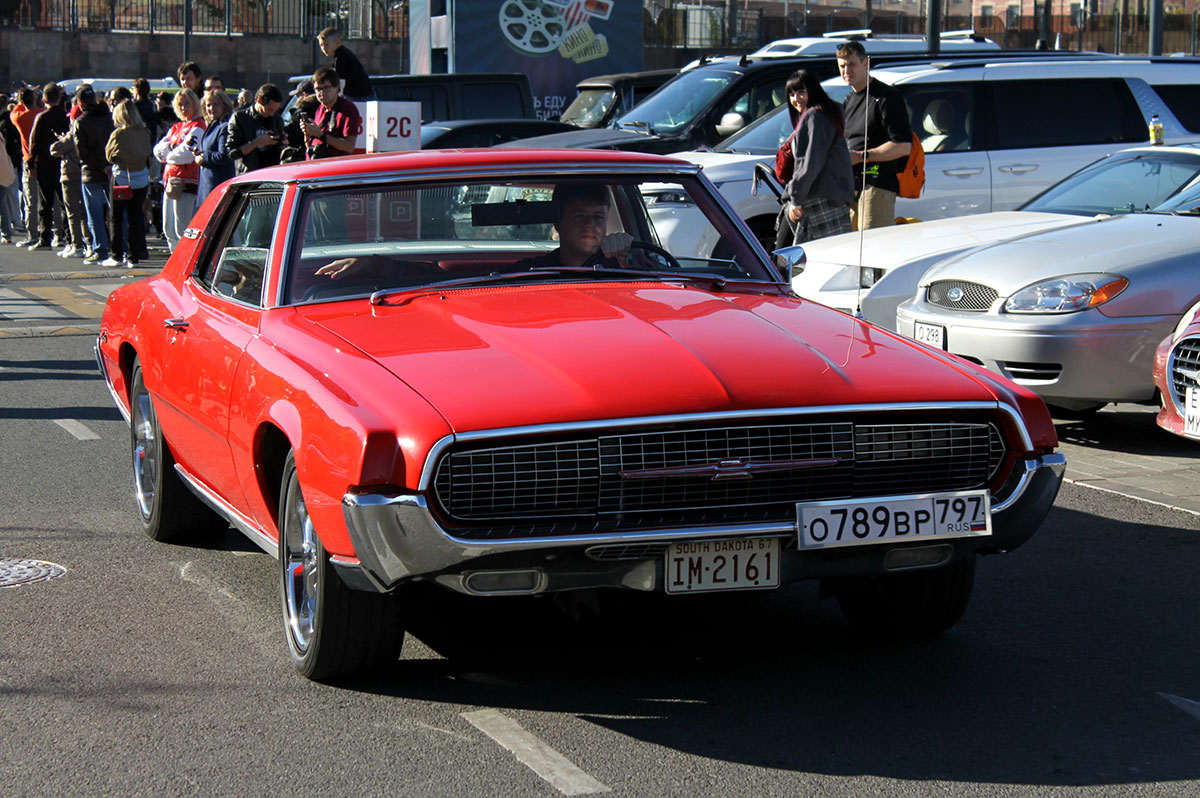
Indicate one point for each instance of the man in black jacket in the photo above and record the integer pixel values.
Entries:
(91, 132)
(49, 125)
(878, 135)
(255, 136)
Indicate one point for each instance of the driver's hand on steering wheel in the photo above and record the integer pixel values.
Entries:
(616, 245)
(337, 269)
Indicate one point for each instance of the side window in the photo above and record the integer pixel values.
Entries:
(942, 115)
(1064, 113)
(241, 260)
(1184, 101)
(758, 100)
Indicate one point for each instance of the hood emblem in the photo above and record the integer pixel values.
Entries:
(955, 294)
(732, 468)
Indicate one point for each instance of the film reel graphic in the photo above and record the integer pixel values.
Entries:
(535, 27)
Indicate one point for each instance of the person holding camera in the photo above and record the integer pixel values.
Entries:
(337, 123)
(255, 136)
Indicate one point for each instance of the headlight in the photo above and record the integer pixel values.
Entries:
(1066, 294)
(868, 276)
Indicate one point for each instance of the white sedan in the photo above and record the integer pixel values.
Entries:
(875, 272)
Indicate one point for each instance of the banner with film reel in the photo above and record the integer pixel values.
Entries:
(556, 42)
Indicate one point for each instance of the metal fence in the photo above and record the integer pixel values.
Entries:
(357, 19)
(696, 24)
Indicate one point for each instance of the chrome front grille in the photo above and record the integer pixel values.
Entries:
(960, 295)
(702, 476)
(1185, 362)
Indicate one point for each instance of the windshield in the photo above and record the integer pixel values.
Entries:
(589, 106)
(678, 102)
(1120, 184)
(389, 237)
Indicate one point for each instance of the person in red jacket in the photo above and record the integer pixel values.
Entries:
(23, 117)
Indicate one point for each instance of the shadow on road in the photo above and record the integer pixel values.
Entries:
(1053, 677)
(1128, 429)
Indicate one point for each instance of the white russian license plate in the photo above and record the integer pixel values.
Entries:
(1191, 412)
(705, 566)
(859, 522)
(932, 334)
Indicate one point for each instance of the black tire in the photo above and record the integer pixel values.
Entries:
(332, 631)
(915, 603)
(170, 512)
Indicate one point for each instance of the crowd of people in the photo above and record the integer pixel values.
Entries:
(89, 174)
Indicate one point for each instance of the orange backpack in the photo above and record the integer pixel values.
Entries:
(912, 177)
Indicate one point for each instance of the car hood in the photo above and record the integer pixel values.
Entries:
(490, 358)
(888, 247)
(1122, 245)
(723, 167)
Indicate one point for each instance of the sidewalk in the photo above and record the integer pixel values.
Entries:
(1120, 449)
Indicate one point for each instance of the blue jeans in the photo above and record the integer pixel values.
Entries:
(95, 197)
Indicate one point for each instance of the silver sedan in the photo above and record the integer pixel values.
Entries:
(1073, 313)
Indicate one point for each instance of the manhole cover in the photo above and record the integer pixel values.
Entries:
(14, 572)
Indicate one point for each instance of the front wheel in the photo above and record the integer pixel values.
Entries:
(170, 512)
(332, 631)
(913, 603)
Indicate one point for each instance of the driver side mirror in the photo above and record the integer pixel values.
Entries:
(730, 123)
(790, 261)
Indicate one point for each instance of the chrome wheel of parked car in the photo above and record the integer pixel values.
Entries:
(168, 509)
(332, 631)
(912, 603)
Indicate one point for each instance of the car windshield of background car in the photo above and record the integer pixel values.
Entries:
(1120, 185)
(762, 136)
(589, 106)
(677, 102)
(408, 237)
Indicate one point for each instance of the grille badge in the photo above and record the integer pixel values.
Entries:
(955, 294)
(731, 468)
(1189, 374)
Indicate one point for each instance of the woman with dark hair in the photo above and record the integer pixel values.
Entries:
(817, 196)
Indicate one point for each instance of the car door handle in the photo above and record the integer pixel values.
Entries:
(175, 324)
(962, 172)
(1019, 169)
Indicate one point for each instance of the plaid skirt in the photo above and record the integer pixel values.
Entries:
(821, 218)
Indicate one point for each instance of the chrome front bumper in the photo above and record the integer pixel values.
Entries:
(397, 540)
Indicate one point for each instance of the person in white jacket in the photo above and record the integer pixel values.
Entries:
(181, 175)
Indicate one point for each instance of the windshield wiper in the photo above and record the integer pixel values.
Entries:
(381, 296)
(649, 130)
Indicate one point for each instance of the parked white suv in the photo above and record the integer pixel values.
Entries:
(995, 133)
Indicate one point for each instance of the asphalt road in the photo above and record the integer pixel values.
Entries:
(162, 670)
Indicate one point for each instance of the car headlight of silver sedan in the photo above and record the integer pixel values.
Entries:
(1066, 294)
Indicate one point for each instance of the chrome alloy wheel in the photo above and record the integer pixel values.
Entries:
(145, 453)
(300, 564)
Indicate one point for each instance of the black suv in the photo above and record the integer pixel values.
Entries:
(602, 98)
(704, 105)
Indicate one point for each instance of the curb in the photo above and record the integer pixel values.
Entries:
(41, 332)
(77, 275)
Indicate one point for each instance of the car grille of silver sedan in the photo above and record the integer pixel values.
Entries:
(701, 476)
(960, 295)
(1185, 365)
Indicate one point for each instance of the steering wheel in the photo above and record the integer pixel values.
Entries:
(650, 257)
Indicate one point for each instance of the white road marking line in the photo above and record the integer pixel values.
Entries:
(543, 760)
(19, 307)
(1187, 705)
(77, 429)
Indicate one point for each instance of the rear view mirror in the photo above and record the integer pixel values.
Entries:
(730, 123)
(790, 261)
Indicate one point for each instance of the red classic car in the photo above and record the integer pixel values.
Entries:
(479, 369)
(1177, 375)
